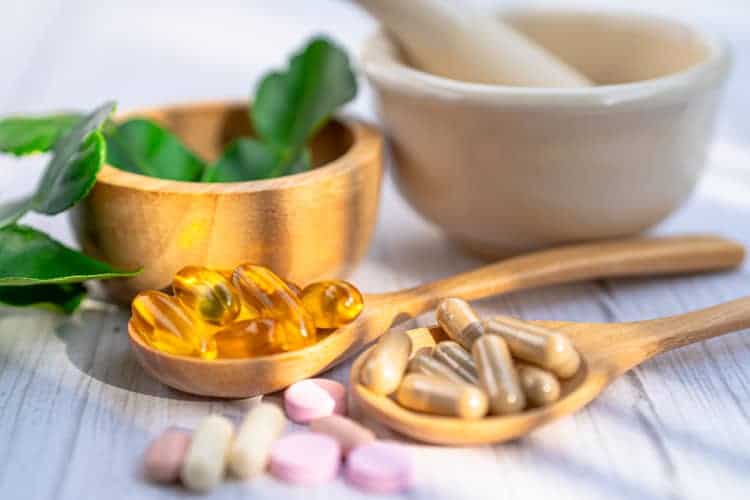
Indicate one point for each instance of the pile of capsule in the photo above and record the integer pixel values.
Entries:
(243, 313)
(333, 443)
(501, 366)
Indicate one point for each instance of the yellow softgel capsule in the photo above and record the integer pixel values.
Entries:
(247, 339)
(207, 292)
(169, 327)
(265, 292)
(332, 304)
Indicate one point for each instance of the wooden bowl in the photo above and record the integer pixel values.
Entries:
(306, 227)
(520, 168)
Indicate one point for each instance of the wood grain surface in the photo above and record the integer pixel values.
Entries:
(76, 411)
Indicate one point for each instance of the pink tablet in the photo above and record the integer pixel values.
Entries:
(305, 458)
(380, 467)
(314, 398)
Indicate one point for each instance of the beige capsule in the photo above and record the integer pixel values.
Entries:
(421, 341)
(540, 386)
(206, 458)
(427, 365)
(459, 321)
(458, 359)
(498, 376)
(386, 364)
(536, 345)
(258, 432)
(439, 396)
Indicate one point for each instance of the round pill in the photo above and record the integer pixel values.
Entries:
(380, 467)
(305, 458)
(336, 390)
(314, 398)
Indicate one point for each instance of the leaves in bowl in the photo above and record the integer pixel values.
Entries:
(143, 147)
(248, 159)
(70, 174)
(290, 107)
(37, 134)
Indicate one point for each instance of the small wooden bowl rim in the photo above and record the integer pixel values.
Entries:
(365, 140)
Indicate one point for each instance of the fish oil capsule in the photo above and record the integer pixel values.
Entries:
(247, 339)
(251, 449)
(540, 386)
(453, 355)
(536, 345)
(207, 292)
(440, 396)
(169, 327)
(332, 304)
(206, 458)
(294, 287)
(427, 365)
(497, 375)
(386, 364)
(265, 292)
(459, 321)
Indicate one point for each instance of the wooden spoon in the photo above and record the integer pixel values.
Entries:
(607, 351)
(238, 378)
(453, 40)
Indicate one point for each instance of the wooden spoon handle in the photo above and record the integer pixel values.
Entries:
(642, 340)
(611, 259)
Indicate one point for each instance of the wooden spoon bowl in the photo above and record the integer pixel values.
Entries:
(607, 351)
(238, 378)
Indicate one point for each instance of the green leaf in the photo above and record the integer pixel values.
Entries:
(30, 257)
(291, 106)
(249, 160)
(70, 174)
(143, 147)
(11, 211)
(61, 298)
(25, 135)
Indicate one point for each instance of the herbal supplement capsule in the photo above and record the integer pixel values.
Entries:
(332, 304)
(261, 289)
(386, 364)
(421, 341)
(440, 396)
(497, 375)
(539, 346)
(540, 386)
(427, 365)
(167, 326)
(454, 356)
(164, 457)
(347, 432)
(207, 292)
(251, 449)
(206, 459)
(459, 321)
(248, 339)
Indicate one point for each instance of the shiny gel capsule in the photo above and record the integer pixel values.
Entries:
(166, 325)
(268, 294)
(332, 304)
(248, 339)
(207, 292)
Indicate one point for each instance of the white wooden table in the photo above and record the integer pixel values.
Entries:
(76, 411)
